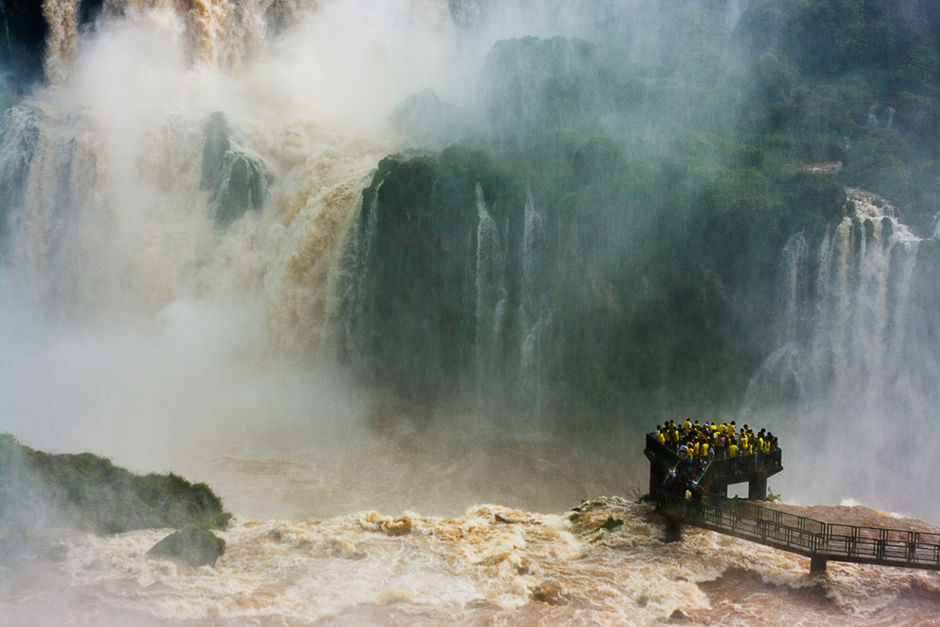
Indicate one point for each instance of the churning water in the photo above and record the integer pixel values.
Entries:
(178, 200)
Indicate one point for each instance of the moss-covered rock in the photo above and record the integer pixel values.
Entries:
(237, 176)
(89, 493)
(193, 546)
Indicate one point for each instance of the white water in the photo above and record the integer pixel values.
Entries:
(490, 284)
(844, 388)
(129, 314)
(493, 564)
(133, 327)
(535, 316)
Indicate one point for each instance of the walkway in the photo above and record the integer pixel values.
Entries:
(820, 541)
(817, 540)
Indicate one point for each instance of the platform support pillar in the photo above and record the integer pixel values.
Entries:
(757, 488)
(817, 564)
(673, 529)
(657, 475)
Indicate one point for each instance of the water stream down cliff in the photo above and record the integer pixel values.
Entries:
(406, 281)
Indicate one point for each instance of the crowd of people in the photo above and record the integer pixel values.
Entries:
(697, 444)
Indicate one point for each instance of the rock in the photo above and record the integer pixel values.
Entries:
(89, 493)
(548, 592)
(429, 120)
(678, 616)
(237, 176)
(23, 44)
(191, 546)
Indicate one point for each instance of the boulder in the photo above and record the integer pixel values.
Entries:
(192, 546)
(678, 616)
(548, 591)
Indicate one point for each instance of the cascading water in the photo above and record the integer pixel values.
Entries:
(843, 370)
(792, 269)
(18, 144)
(185, 228)
(360, 255)
(51, 228)
(160, 195)
(62, 18)
(460, 315)
(490, 283)
(534, 312)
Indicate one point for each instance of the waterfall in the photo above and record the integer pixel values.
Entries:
(858, 374)
(359, 260)
(857, 319)
(490, 283)
(19, 139)
(534, 312)
(792, 270)
(62, 18)
(191, 182)
(864, 270)
(50, 227)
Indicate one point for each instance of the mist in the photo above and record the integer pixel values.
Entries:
(576, 233)
(138, 325)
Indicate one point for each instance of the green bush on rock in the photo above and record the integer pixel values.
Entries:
(89, 493)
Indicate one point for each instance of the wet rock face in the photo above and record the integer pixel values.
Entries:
(412, 312)
(191, 546)
(89, 10)
(237, 177)
(23, 33)
(21, 48)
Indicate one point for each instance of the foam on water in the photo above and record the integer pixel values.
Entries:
(492, 564)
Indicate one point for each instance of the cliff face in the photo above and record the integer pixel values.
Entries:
(607, 233)
(542, 265)
(23, 31)
(424, 273)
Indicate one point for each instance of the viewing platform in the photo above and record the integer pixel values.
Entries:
(820, 541)
(719, 473)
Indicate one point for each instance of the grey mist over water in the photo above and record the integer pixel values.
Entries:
(364, 236)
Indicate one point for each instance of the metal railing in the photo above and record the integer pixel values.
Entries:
(741, 465)
(661, 451)
(808, 536)
(723, 467)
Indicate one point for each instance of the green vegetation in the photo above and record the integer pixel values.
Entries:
(90, 493)
(666, 188)
(855, 81)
